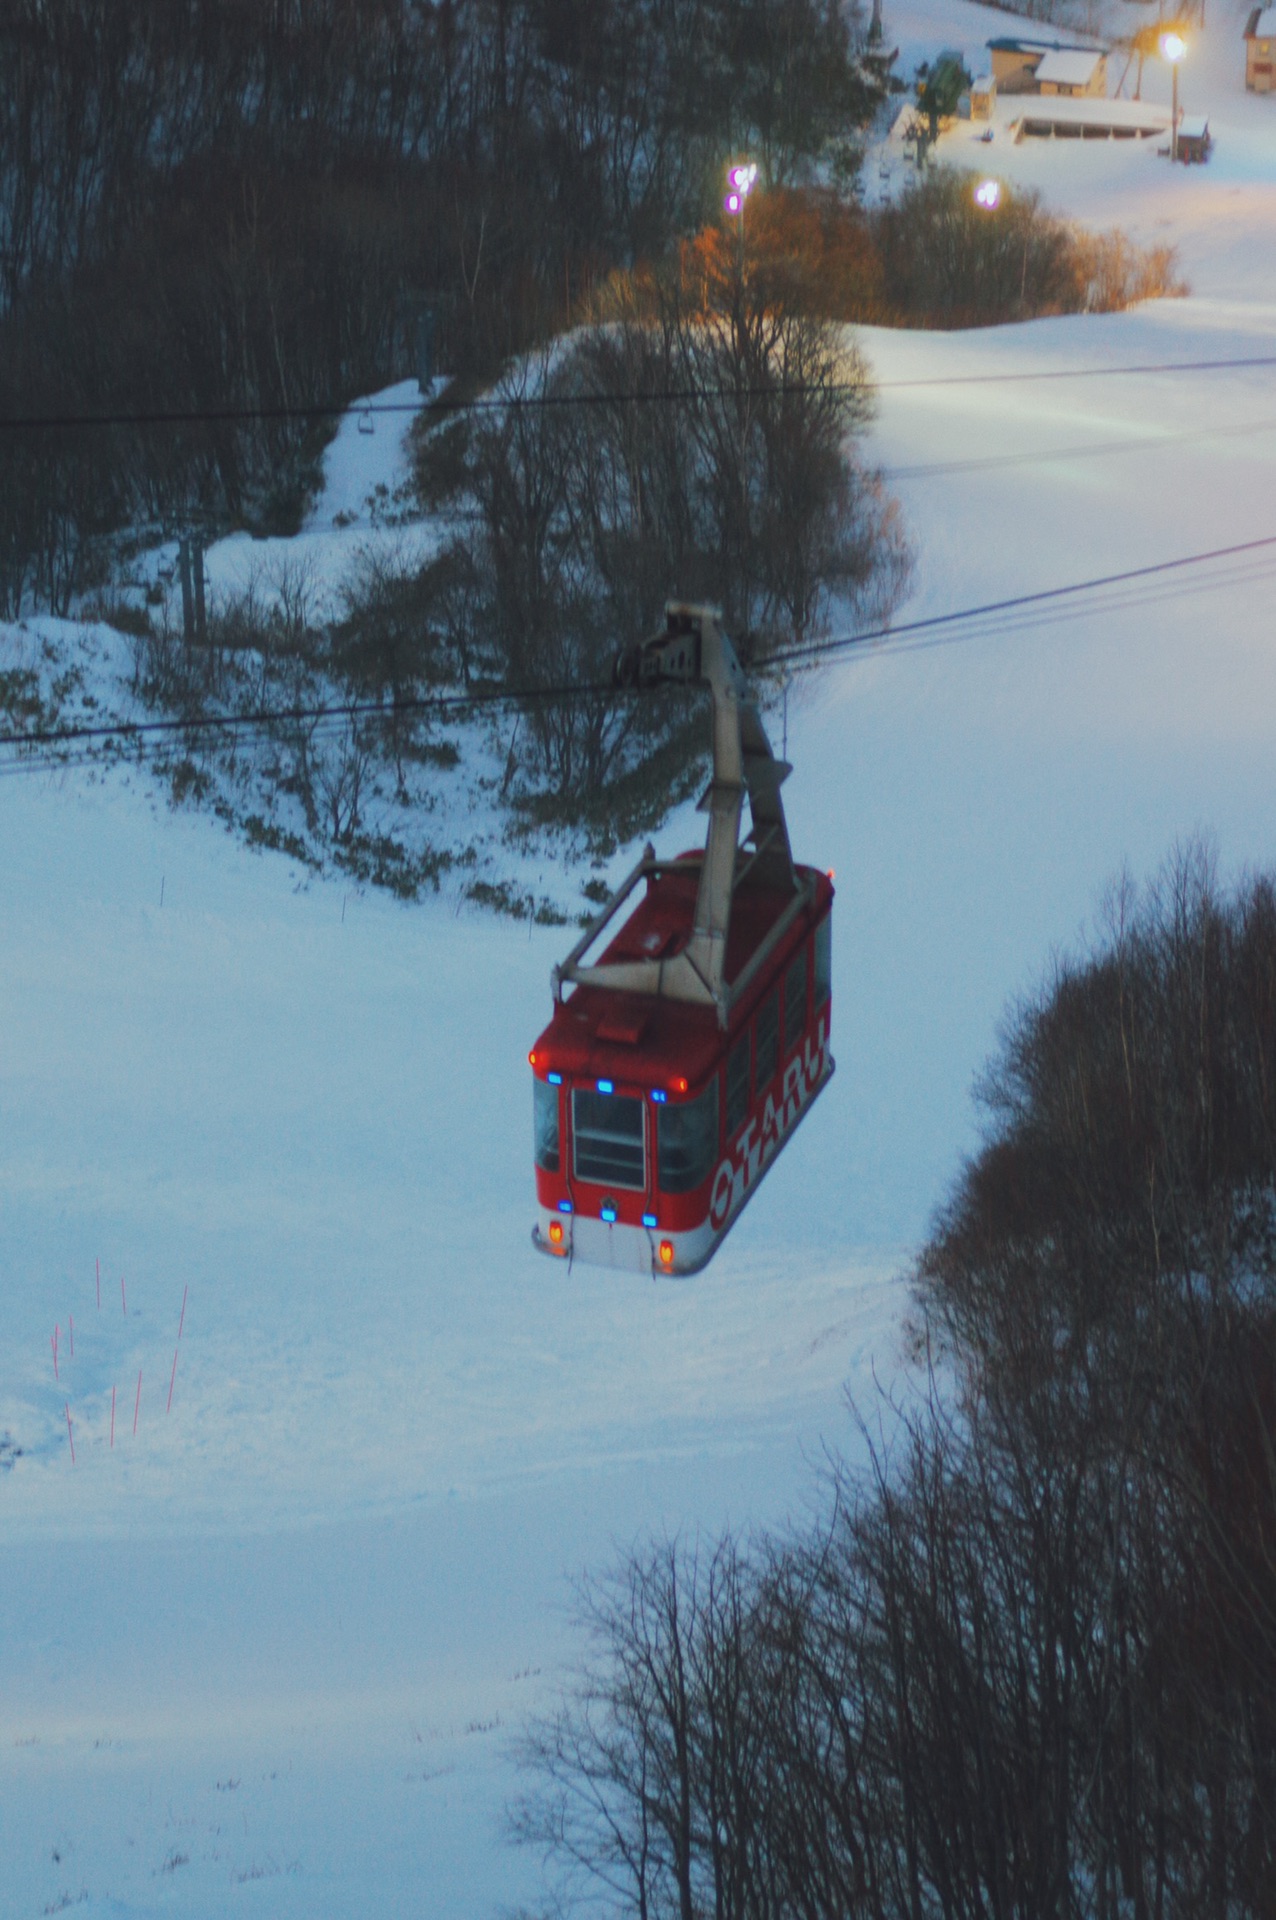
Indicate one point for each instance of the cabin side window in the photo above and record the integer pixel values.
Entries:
(768, 1040)
(688, 1141)
(545, 1124)
(795, 1000)
(737, 1083)
(823, 961)
(607, 1139)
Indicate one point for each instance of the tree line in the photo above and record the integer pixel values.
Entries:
(208, 206)
(695, 437)
(1023, 1667)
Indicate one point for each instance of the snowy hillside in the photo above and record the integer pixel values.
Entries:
(261, 1655)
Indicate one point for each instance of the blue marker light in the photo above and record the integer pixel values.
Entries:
(609, 1214)
(564, 1206)
(650, 1220)
(659, 1095)
(606, 1086)
(555, 1079)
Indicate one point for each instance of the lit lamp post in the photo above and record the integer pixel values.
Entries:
(988, 196)
(1173, 47)
(741, 181)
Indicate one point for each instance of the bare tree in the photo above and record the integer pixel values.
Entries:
(1025, 1666)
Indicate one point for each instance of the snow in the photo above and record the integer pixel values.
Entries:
(1066, 67)
(359, 512)
(264, 1657)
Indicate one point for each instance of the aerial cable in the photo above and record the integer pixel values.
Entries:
(1089, 450)
(933, 623)
(301, 715)
(931, 629)
(653, 396)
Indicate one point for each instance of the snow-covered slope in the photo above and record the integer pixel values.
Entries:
(261, 1657)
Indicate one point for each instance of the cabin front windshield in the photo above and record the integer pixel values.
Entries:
(688, 1139)
(607, 1139)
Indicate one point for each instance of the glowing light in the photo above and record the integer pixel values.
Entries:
(606, 1086)
(666, 1253)
(608, 1214)
(1173, 47)
(564, 1206)
(555, 1233)
(531, 1058)
(555, 1079)
(650, 1220)
(832, 875)
(741, 181)
(988, 194)
(680, 1085)
(659, 1095)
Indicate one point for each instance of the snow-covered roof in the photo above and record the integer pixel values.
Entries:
(1085, 111)
(1070, 68)
(1016, 43)
(1262, 26)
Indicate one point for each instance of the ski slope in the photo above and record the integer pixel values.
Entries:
(263, 1656)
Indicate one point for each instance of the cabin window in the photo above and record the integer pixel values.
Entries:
(545, 1124)
(688, 1139)
(823, 961)
(768, 1041)
(607, 1139)
(737, 1084)
(795, 1001)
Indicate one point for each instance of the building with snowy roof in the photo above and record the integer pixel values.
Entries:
(1071, 72)
(1017, 62)
(1260, 41)
(1088, 119)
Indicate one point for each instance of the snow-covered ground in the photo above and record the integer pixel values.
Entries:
(262, 1655)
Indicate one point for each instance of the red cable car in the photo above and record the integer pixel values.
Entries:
(679, 1062)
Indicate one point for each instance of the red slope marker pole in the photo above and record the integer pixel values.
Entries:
(172, 1376)
(53, 1342)
(112, 1417)
(137, 1403)
(182, 1322)
(70, 1436)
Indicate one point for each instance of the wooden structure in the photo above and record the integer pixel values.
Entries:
(1070, 74)
(1194, 142)
(1260, 46)
(1022, 65)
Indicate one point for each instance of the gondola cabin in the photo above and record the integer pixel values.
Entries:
(679, 1062)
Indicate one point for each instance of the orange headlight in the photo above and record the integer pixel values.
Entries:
(666, 1253)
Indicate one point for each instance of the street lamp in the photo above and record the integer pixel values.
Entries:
(1173, 47)
(988, 196)
(741, 181)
